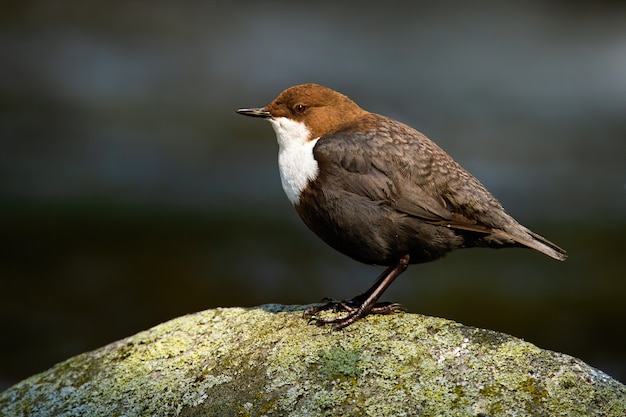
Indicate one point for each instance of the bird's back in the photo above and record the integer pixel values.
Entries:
(410, 192)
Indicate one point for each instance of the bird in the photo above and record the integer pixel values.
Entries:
(380, 192)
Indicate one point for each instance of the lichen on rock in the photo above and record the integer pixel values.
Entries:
(267, 361)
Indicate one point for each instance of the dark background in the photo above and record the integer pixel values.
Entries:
(131, 193)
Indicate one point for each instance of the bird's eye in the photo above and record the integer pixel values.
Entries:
(299, 108)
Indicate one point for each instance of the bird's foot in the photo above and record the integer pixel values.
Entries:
(354, 308)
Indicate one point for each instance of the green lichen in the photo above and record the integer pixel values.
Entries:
(269, 361)
(339, 363)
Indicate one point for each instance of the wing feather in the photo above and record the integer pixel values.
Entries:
(395, 165)
(414, 176)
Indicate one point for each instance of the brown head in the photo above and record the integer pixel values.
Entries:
(319, 108)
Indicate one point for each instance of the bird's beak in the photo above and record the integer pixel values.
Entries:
(255, 112)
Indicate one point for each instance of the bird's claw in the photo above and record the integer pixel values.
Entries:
(353, 309)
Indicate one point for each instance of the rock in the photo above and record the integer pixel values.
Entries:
(267, 361)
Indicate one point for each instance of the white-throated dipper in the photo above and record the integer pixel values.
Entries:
(380, 192)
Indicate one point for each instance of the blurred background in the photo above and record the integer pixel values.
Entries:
(131, 193)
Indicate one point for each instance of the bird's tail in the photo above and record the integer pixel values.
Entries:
(530, 239)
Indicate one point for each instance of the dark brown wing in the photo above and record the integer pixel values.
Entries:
(393, 164)
(398, 166)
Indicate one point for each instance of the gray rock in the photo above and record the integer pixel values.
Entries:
(267, 361)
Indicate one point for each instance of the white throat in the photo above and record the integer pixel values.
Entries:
(295, 156)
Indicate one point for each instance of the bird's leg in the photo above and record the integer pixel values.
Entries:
(363, 304)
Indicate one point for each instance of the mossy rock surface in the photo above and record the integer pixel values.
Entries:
(267, 361)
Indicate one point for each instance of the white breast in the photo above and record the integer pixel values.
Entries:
(295, 156)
